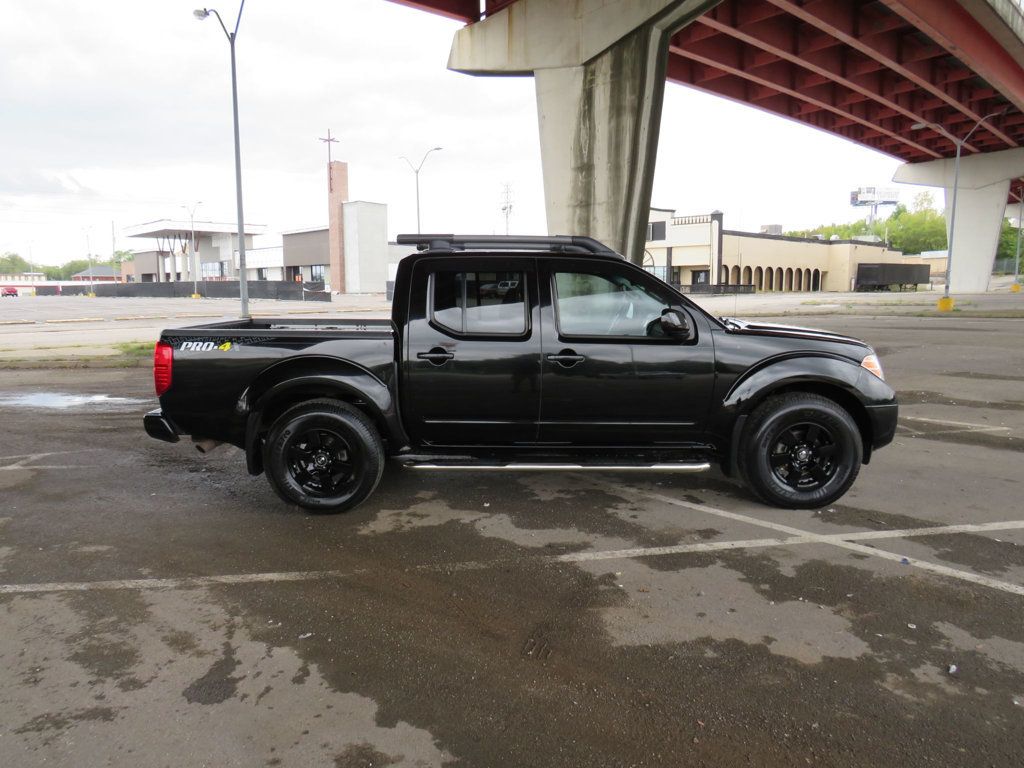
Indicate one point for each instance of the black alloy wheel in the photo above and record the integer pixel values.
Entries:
(805, 456)
(800, 451)
(323, 455)
(321, 462)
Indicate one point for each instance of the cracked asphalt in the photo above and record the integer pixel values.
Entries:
(162, 608)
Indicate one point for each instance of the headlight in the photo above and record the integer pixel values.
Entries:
(871, 363)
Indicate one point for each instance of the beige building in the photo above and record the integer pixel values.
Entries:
(692, 251)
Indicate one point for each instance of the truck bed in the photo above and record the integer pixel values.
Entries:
(220, 368)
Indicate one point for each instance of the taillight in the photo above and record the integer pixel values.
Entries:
(163, 361)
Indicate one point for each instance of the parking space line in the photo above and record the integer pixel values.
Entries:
(679, 549)
(942, 570)
(795, 536)
(965, 425)
(187, 582)
(844, 541)
(810, 538)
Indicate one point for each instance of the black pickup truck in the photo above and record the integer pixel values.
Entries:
(526, 353)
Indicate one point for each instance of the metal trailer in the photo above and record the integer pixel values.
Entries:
(881, 277)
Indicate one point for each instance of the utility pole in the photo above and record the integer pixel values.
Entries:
(506, 204)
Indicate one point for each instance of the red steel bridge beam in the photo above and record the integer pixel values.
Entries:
(783, 37)
(950, 25)
(856, 26)
(718, 83)
(780, 76)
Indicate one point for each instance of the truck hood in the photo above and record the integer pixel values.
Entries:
(748, 328)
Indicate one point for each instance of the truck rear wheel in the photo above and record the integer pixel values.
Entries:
(324, 456)
(801, 451)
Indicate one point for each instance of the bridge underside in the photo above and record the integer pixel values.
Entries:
(859, 70)
(903, 77)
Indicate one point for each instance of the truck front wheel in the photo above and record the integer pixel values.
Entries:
(801, 451)
(324, 456)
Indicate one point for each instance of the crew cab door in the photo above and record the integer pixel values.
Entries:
(610, 375)
(472, 352)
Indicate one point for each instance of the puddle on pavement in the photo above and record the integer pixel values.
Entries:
(63, 400)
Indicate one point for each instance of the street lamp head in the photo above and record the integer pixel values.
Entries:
(200, 13)
(436, 149)
(918, 126)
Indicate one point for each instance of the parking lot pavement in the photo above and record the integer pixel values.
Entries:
(159, 607)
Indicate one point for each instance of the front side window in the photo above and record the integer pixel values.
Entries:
(480, 302)
(591, 304)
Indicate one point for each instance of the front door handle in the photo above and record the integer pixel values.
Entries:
(567, 358)
(437, 356)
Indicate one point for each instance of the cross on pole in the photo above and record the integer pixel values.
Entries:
(328, 141)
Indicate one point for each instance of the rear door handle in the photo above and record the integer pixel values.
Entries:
(436, 356)
(567, 358)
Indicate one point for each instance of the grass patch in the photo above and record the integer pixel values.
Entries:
(1009, 314)
(135, 349)
(107, 361)
(131, 354)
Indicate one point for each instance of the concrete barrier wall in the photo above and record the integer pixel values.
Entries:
(281, 290)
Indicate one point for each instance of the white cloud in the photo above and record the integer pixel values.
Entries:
(120, 111)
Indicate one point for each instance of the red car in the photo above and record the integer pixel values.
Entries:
(5, 292)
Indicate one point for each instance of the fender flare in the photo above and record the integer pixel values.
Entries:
(778, 373)
(857, 386)
(325, 375)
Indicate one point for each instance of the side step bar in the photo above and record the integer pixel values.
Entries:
(514, 467)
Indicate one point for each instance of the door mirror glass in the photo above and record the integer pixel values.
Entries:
(674, 324)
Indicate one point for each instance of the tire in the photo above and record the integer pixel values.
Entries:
(324, 456)
(801, 451)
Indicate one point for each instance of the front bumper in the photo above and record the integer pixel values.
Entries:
(883, 423)
(160, 427)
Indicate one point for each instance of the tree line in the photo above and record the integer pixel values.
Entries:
(910, 230)
(14, 264)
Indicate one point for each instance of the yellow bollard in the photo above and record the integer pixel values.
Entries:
(946, 304)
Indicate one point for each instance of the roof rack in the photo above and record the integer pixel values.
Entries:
(556, 243)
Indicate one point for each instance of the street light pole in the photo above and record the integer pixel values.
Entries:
(946, 303)
(195, 263)
(416, 172)
(243, 288)
(1016, 259)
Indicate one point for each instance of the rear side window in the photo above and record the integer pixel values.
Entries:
(483, 303)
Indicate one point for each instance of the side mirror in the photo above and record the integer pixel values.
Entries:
(675, 324)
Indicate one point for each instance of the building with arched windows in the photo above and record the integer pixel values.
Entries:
(697, 253)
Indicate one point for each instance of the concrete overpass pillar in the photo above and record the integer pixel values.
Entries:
(979, 219)
(982, 194)
(600, 78)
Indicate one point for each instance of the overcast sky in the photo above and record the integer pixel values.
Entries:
(119, 111)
